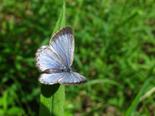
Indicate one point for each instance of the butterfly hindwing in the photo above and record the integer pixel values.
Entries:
(67, 78)
(71, 78)
(50, 79)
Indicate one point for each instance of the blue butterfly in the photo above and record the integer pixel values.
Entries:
(55, 60)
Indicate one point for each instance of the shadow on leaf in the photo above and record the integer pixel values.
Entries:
(49, 90)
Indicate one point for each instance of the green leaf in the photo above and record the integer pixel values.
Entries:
(15, 111)
(61, 21)
(52, 97)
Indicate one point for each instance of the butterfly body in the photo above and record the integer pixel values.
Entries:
(55, 60)
(69, 69)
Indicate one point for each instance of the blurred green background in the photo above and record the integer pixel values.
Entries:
(114, 49)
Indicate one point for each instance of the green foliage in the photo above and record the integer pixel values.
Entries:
(144, 89)
(114, 49)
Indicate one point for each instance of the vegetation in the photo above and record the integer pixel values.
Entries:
(114, 49)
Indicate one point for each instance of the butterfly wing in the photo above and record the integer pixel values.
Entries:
(50, 79)
(67, 78)
(58, 55)
(63, 44)
(48, 59)
(71, 78)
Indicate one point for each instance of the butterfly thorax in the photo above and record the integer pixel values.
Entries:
(67, 69)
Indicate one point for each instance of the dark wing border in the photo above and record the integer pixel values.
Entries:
(62, 31)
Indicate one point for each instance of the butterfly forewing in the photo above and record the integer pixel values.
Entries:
(47, 59)
(63, 44)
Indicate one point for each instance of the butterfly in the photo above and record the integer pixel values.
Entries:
(55, 60)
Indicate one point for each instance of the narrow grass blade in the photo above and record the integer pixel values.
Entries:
(146, 86)
(61, 21)
(132, 108)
